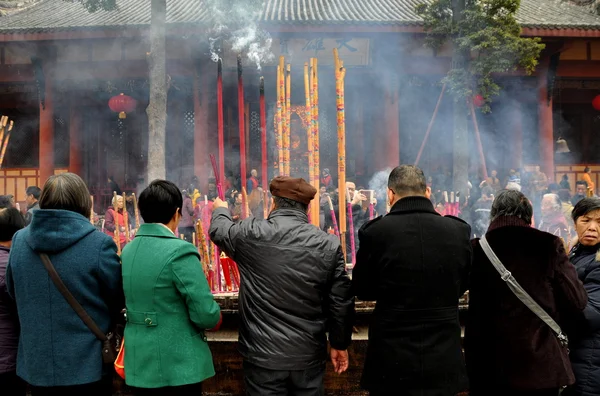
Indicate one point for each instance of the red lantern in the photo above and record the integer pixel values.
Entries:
(122, 104)
(478, 100)
(596, 102)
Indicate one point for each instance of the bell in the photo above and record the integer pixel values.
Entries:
(561, 146)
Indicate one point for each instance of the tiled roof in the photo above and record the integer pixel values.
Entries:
(51, 15)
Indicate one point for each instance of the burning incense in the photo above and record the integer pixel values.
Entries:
(263, 134)
(241, 122)
(136, 211)
(220, 123)
(333, 219)
(284, 132)
(245, 208)
(435, 111)
(117, 232)
(266, 204)
(314, 207)
(288, 118)
(351, 226)
(5, 143)
(341, 134)
(279, 119)
(204, 253)
(217, 178)
(315, 118)
(125, 218)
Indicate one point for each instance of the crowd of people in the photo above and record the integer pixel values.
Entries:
(297, 300)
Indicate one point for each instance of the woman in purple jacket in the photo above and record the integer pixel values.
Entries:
(11, 221)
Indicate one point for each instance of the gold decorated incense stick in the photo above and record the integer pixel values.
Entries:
(279, 131)
(288, 118)
(92, 210)
(136, 212)
(314, 207)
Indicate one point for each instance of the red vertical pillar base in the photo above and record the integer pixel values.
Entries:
(46, 153)
(75, 140)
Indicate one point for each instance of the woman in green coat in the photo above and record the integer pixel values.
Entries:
(169, 303)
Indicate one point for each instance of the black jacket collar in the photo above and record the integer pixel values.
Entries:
(298, 214)
(413, 204)
(508, 221)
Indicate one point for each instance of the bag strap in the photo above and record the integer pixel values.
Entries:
(521, 294)
(79, 310)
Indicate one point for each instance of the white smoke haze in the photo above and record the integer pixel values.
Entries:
(236, 23)
(378, 183)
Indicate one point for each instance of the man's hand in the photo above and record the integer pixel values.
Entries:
(358, 198)
(339, 360)
(218, 203)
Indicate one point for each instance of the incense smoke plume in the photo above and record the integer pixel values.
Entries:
(379, 183)
(237, 23)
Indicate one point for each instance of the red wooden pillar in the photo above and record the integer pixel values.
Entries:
(392, 128)
(516, 149)
(201, 154)
(545, 124)
(75, 141)
(46, 153)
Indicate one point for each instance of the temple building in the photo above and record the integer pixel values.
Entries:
(60, 66)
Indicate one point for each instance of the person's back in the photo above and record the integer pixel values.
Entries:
(414, 263)
(507, 347)
(294, 288)
(56, 348)
(167, 298)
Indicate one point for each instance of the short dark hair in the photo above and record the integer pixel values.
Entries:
(512, 203)
(35, 191)
(581, 182)
(5, 202)
(587, 169)
(487, 190)
(160, 201)
(585, 206)
(564, 195)
(66, 191)
(406, 180)
(11, 221)
(285, 203)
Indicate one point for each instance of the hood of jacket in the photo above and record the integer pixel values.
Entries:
(55, 230)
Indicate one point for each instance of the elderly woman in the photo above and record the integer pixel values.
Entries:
(11, 221)
(553, 218)
(585, 345)
(117, 217)
(508, 349)
(58, 354)
(169, 303)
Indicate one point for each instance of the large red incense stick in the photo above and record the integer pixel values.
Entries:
(242, 125)
(221, 137)
(263, 134)
(217, 177)
(217, 252)
(437, 107)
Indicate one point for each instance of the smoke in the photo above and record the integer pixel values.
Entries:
(379, 183)
(236, 23)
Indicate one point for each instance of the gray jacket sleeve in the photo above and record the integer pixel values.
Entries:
(223, 231)
(341, 306)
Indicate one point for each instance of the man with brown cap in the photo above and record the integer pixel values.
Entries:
(294, 291)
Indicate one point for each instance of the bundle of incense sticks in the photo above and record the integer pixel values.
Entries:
(5, 132)
(333, 219)
(125, 218)
(117, 232)
(351, 230)
(92, 210)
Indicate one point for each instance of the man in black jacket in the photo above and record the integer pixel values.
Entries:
(414, 263)
(294, 290)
